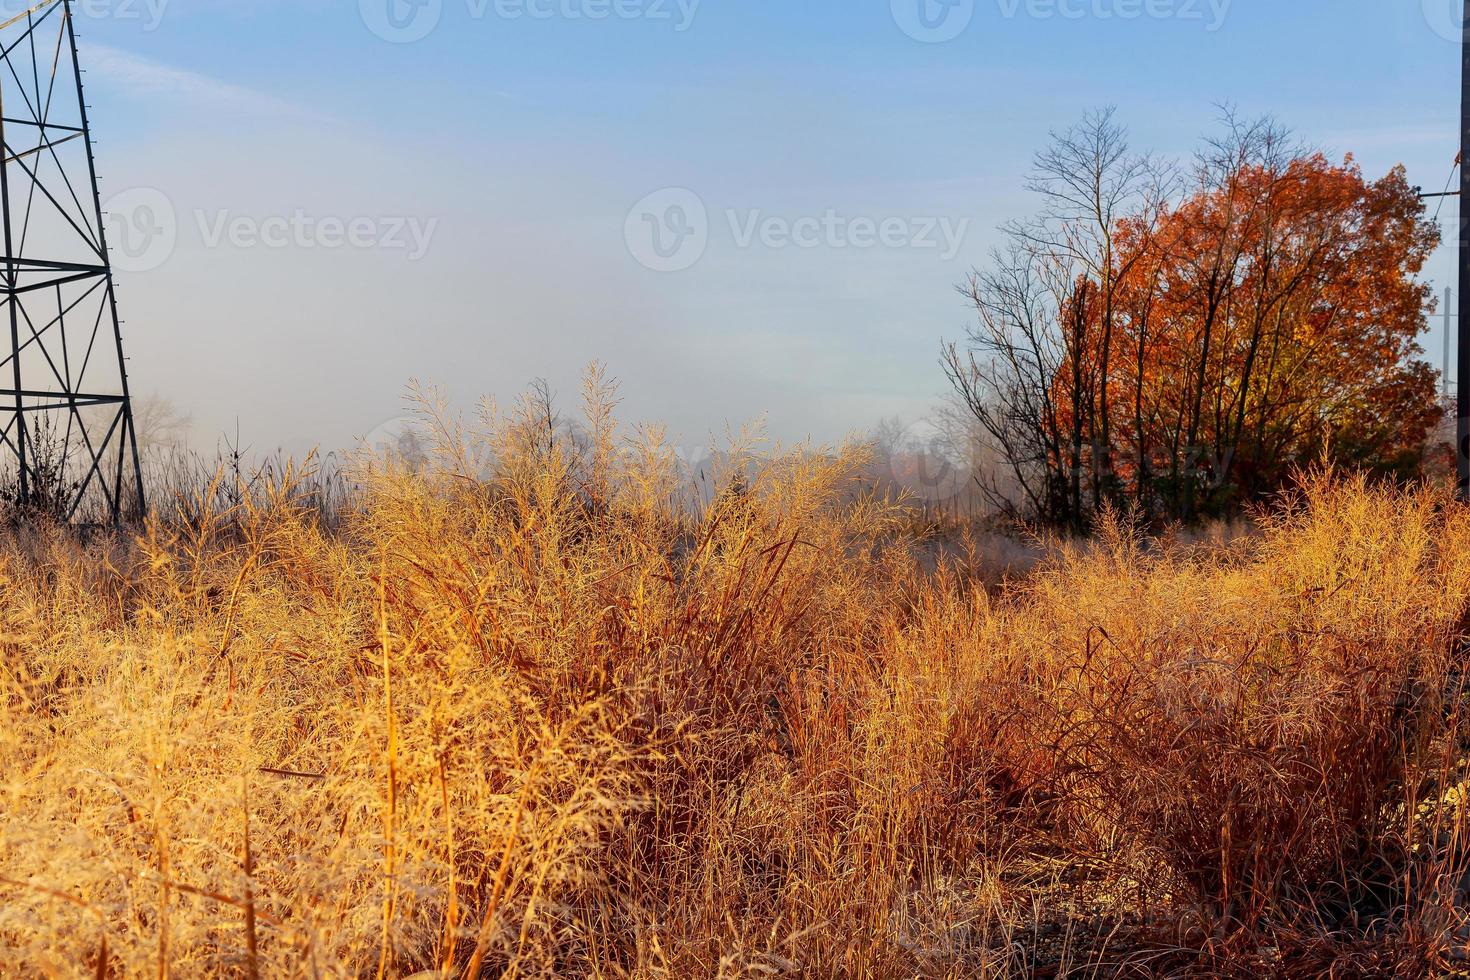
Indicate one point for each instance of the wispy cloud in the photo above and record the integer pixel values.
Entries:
(144, 78)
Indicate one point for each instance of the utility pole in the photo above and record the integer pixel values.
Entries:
(1462, 434)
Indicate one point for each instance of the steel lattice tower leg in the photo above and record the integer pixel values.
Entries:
(68, 443)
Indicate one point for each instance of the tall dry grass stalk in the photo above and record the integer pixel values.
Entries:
(522, 712)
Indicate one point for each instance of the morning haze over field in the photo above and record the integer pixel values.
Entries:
(963, 488)
(528, 131)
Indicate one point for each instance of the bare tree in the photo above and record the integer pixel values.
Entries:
(1089, 179)
(1005, 374)
(161, 424)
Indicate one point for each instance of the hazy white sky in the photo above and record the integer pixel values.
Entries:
(317, 200)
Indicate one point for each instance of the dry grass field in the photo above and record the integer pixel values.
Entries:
(550, 721)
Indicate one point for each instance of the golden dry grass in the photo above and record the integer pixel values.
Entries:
(551, 722)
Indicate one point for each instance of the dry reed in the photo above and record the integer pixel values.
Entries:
(524, 712)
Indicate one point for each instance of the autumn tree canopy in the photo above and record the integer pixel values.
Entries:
(1179, 339)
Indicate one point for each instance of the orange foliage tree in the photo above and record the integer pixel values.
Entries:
(1252, 312)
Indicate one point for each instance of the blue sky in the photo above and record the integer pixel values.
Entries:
(489, 168)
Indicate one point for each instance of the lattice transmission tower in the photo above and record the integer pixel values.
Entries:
(68, 443)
